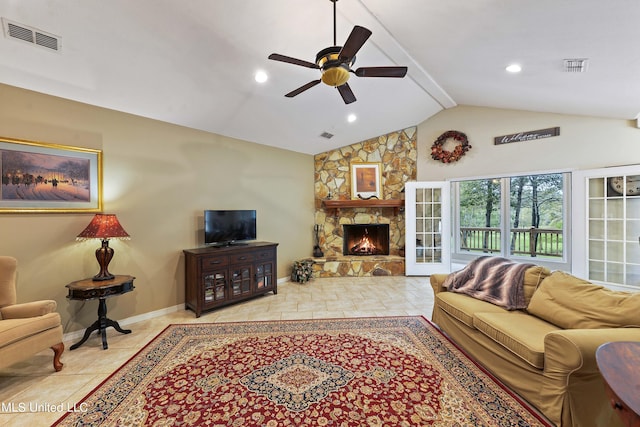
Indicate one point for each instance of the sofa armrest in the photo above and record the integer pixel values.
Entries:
(436, 281)
(573, 389)
(570, 350)
(28, 309)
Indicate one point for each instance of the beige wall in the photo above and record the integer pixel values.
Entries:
(584, 143)
(158, 179)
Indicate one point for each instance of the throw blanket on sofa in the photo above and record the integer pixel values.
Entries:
(492, 279)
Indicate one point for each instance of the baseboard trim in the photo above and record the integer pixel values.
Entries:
(75, 335)
(72, 336)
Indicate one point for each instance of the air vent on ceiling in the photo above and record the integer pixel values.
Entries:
(576, 65)
(31, 35)
(326, 135)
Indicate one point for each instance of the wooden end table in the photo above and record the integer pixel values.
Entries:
(618, 363)
(89, 289)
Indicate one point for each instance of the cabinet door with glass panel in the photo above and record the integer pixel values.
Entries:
(241, 278)
(214, 287)
(612, 226)
(264, 275)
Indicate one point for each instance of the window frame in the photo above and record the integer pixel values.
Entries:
(463, 258)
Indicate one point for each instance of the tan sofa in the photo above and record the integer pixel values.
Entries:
(28, 328)
(546, 351)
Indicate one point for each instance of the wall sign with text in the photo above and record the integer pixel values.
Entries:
(526, 136)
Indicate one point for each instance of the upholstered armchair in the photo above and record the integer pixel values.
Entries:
(28, 328)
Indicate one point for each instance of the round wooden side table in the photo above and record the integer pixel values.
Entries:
(618, 363)
(88, 289)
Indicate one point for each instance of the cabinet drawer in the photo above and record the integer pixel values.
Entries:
(264, 254)
(244, 257)
(214, 262)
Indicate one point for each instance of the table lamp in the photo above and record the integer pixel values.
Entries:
(105, 227)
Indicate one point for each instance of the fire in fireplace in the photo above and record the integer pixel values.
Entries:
(365, 239)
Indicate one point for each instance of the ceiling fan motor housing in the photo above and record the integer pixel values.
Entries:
(334, 71)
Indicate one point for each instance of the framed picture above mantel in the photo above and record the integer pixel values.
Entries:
(366, 180)
(42, 177)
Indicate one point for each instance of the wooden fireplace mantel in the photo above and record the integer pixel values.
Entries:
(334, 206)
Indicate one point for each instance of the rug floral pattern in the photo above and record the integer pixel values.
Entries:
(398, 371)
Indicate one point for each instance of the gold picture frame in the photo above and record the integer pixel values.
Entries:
(366, 180)
(43, 177)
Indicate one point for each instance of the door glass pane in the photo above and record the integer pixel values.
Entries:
(428, 220)
(633, 275)
(615, 229)
(596, 187)
(633, 207)
(596, 229)
(596, 250)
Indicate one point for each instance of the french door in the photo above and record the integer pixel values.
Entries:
(427, 228)
(607, 225)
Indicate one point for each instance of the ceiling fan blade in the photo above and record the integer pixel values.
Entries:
(294, 61)
(302, 88)
(356, 39)
(347, 94)
(381, 72)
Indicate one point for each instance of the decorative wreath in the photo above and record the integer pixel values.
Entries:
(438, 153)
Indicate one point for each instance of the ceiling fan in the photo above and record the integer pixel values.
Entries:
(335, 63)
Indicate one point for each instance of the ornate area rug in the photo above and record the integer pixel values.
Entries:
(389, 371)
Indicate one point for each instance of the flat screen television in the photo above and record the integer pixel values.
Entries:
(228, 227)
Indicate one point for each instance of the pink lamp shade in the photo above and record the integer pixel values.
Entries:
(105, 227)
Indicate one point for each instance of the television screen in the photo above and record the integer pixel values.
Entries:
(229, 226)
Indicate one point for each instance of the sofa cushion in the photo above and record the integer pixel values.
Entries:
(463, 307)
(13, 330)
(573, 303)
(533, 276)
(518, 332)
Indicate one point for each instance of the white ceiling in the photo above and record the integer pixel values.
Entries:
(192, 62)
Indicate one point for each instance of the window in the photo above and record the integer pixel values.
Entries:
(514, 217)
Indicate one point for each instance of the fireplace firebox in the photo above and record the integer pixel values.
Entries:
(365, 239)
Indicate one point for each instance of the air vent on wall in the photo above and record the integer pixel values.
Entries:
(31, 35)
(576, 65)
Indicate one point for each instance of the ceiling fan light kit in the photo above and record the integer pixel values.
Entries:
(335, 63)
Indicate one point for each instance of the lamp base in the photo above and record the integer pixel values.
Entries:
(104, 255)
(98, 277)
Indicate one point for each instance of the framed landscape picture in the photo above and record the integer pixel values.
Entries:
(366, 180)
(41, 177)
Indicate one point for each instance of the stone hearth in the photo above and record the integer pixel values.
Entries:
(359, 266)
(397, 154)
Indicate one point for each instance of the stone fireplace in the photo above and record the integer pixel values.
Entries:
(397, 153)
(365, 239)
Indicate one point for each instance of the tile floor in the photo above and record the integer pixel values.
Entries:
(31, 393)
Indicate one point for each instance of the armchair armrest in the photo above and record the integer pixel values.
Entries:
(436, 281)
(28, 309)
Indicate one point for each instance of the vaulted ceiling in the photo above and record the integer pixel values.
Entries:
(193, 62)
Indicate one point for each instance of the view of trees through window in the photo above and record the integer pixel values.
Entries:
(533, 213)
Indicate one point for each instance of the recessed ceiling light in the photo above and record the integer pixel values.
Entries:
(261, 76)
(514, 68)
(351, 118)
